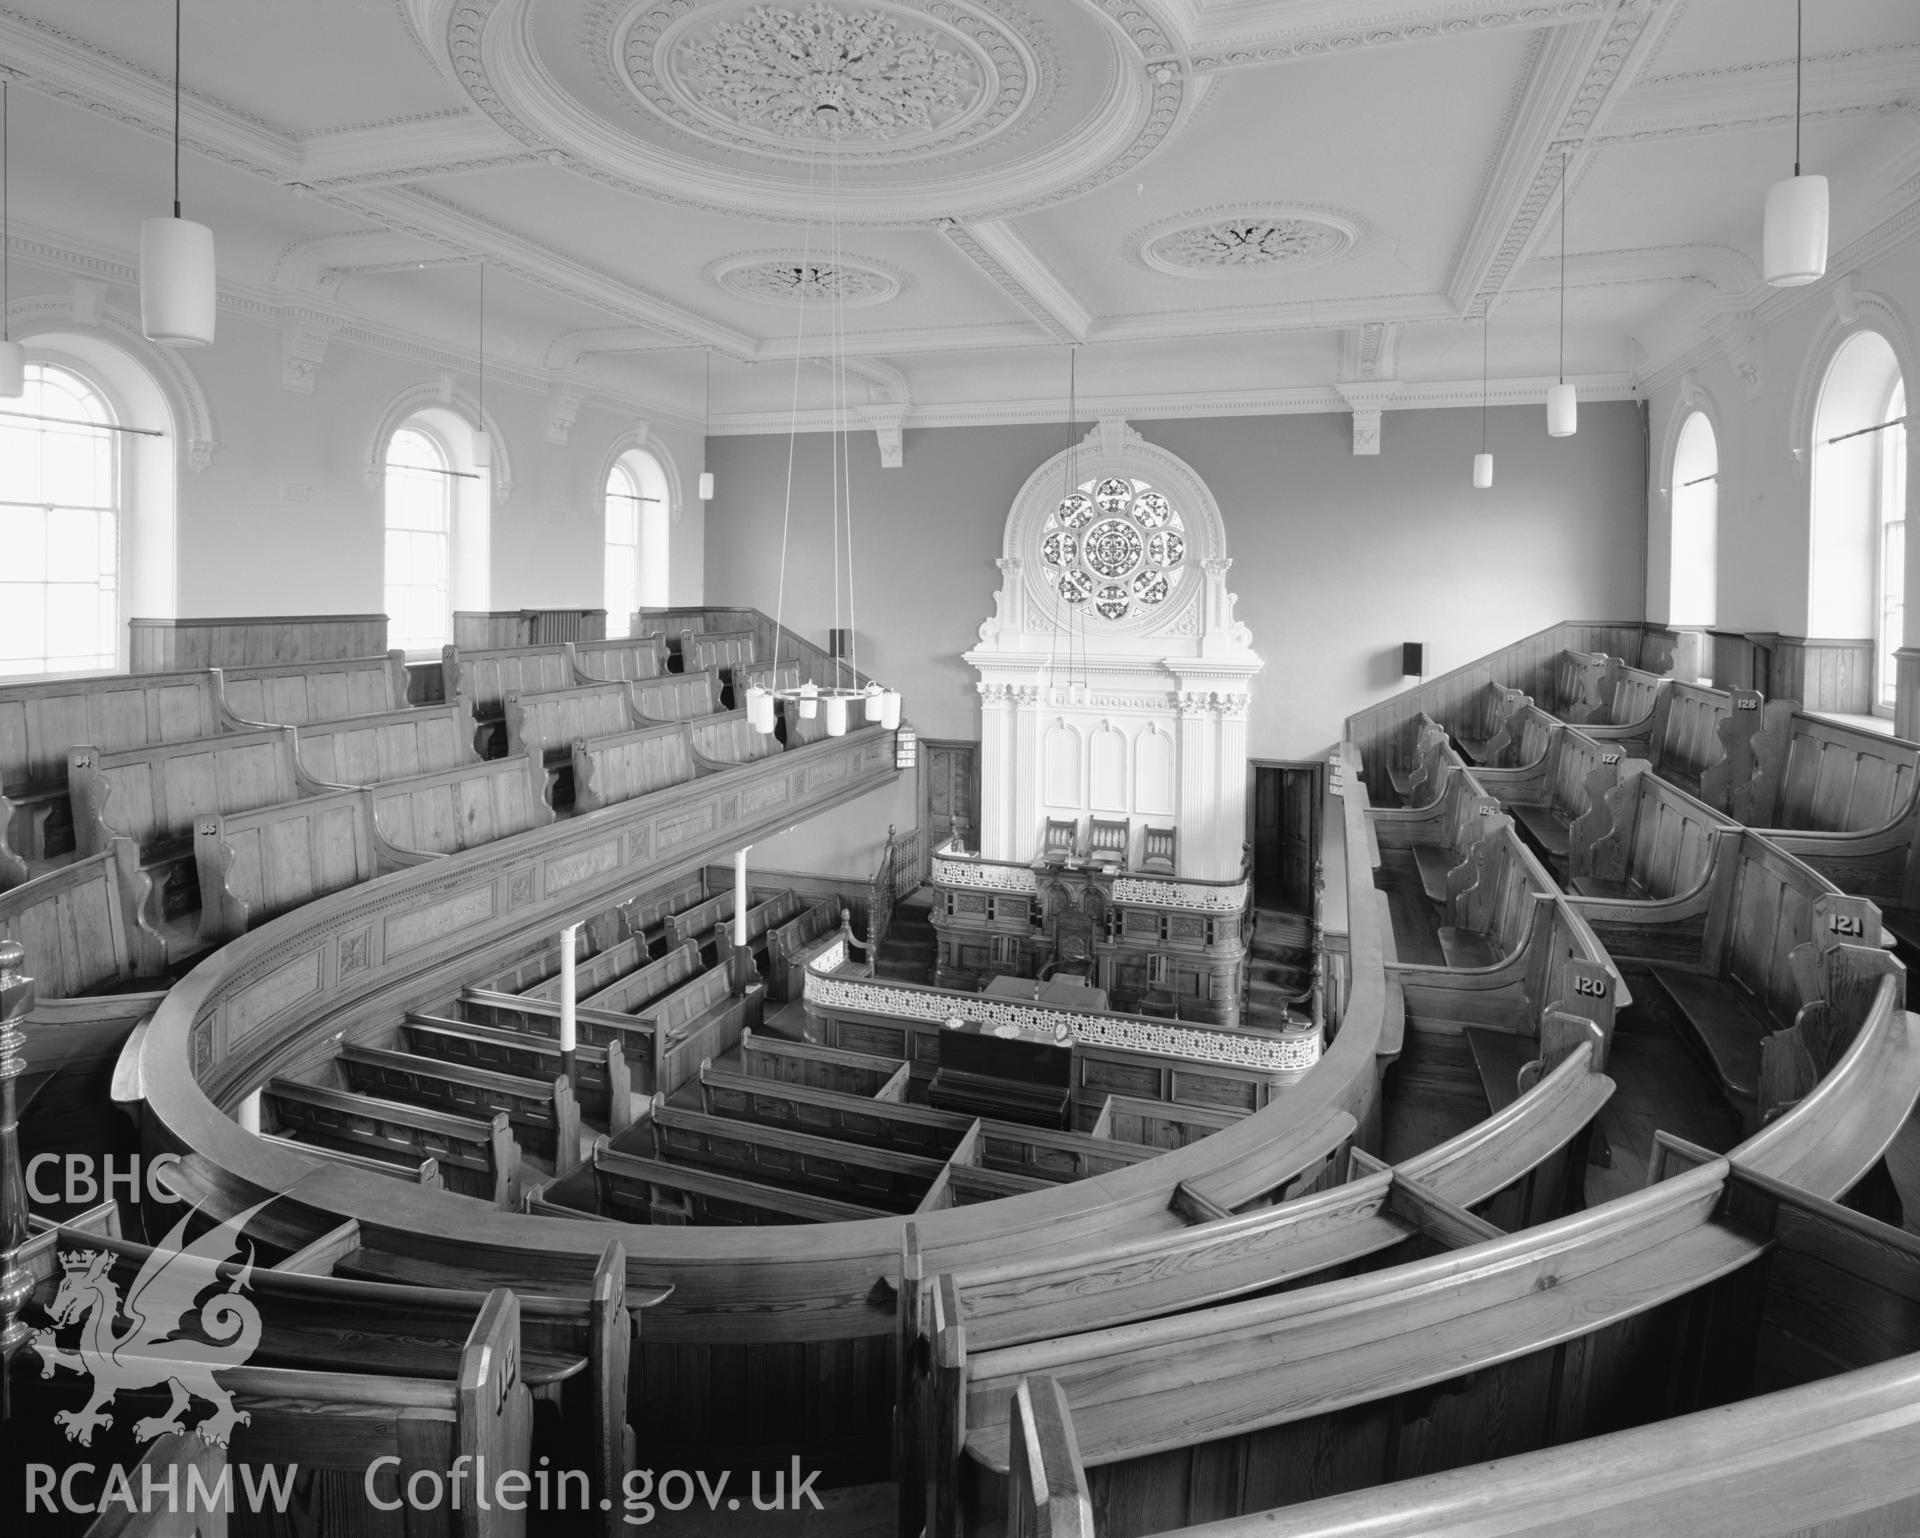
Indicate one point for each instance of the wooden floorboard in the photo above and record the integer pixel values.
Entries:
(1416, 932)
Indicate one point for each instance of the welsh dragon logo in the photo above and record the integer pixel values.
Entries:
(151, 1350)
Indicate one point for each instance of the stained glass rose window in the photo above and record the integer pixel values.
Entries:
(1115, 544)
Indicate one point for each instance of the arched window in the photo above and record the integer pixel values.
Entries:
(60, 515)
(419, 561)
(637, 514)
(1696, 523)
(1857, 581)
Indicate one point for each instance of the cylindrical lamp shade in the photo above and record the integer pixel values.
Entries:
(870, 705)
(760, 710)
(836, 715)
(1563, 412)
(13, 369)
(176, 282)
(1794, 242)
(1482, 471)
(706, 485)
(483, 451)
(889, 709)
(809, 700)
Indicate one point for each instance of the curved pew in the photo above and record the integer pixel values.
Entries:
(721, 741)
(619, 766)
(299, 693)
(677, 697)
(83, 926)
(1434, 1321)
(389, 745)
(463, 807)
(635, 657)
(42, 722)
(255, 865)
(547, 724)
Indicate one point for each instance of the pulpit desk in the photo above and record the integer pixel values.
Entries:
(1005, 1074)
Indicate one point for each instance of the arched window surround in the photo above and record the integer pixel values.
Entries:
(1693, 596)
(451, 417)
(146, 386)
(643, 441)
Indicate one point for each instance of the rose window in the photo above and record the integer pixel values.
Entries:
(1115, 544)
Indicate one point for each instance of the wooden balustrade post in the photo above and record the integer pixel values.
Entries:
(16, 1283)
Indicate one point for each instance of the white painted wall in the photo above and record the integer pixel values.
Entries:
(285, 521)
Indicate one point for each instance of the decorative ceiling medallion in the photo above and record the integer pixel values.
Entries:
(890, 78)
(1231, 243)
(796, 277)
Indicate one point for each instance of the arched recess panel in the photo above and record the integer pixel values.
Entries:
(1107, 759)
(1060, 778)
(1153, 785)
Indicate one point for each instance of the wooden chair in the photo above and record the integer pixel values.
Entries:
(1059, 841)
(1109, 841)
(1159, 849)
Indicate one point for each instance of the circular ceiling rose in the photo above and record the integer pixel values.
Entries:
(796, 278)
(1247, 241)
(888, 78)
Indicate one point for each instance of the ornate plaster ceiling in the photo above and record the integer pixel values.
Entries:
(1224, 205)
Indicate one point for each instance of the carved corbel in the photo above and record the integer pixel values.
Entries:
(1368, 401)
(302, 350)
(888, 421)
(563, 405)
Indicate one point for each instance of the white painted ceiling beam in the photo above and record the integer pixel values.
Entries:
(1013, 267)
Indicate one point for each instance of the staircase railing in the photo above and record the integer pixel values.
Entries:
(896, 876)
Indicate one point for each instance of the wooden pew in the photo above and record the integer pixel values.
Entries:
(83, 926)
(635, 657)
(1577, 683)
(1548, 796)
(549, 723)
(1814, 775)
(618, 767)
(365, 750)
(677, 697)
(544, 1115)
(174, 1460)
(1418, 782)
(463, 808)
(299, 693)
(850, 1118)
(603, 1086)
(793, 944)
(484, 677)
(1629, 696)
(426, 1173)
(1439, 835)
(831, 1068)
(476, 1157)
(538, 1022)
(769, 914)
(258, 864)
(156, 797)
(637, 1189)
(1832, 1399)
(41, 723)
(874, 1177)
(1723, 954)
(720, 742)
(630, 992)
(1698, 739)
(721, 650)
(1644, 840)
(703, 924)
(699, 1020)
(1158, 1125)
(1482, 729)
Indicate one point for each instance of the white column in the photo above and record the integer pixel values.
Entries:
(1230, 750)
(740, 897)
(249, 1117)
(996, 772)
(569, 997)
(1024, 836)
(1198, 783)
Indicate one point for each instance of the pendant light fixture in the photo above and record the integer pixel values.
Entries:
(1794, 237)
(176, 256)
(1483, 461)
(1563, 412)
(706, 425)
(482, 439)
(13, 357)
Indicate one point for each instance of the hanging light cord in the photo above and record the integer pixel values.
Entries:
(1563, 265)
(480, 355)
(176, 108)
(6, 223)
(793, 416)
(1799, 54)
(1486, 322)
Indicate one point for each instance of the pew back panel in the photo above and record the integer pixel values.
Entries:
(390, 745)
(465, 807)
(257, 864)
(152, 795)
(297, 693)
(635, 657)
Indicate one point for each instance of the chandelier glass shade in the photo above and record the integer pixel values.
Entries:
(177, 298)
(1563, 410)
(1793, 241)
(1482, 471)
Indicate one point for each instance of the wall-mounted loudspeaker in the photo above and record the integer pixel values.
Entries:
(1413, 659)
(839, 643)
